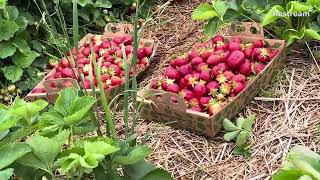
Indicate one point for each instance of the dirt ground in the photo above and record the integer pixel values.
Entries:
(287, 112)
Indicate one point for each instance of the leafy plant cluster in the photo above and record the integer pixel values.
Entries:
(241, 132)
(290, 28)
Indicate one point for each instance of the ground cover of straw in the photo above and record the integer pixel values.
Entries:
(287, 111)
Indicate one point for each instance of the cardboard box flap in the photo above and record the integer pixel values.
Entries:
(249, 29)
(114, 29)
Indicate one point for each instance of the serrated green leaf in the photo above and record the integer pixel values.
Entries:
(314, 3)
(3, 134)
(231, 135)
(12, 73)
(312, 34)
(79, 108)
(6, 174)
(7, 29)
(65, 100)
(296, 6)
(240, 121)
(212, 26)
(288, 174)
(137, 154)
(247, 124)
(104, 148)
(103, 4)
(12, 152)
(242, 138)
(21, 44)
(84, 2)
(6, 49)
(15, 136)
(220, 7)
(3, 4)
(22, 22)
(204, 12)
(24, 60)
(157, 174)
(229, 126)
(29, 109)
(7, 121)
(12, 12)
(271, 16)
(68, 163)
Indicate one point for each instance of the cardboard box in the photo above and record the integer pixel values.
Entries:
(157, 104)
(111, 30)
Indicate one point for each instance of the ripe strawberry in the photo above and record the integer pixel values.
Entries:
(258, 67)
(205, 53)
(221, 67)
(148, 51)
(86, 51)
(196, 60)
(191, 80)
(273, 53)
(193, 102)
(214, 107)
(141, 53)
(87, 84)
(38, 90)
(64, 63)
(105, 77)
(129, 49)
(229, 75)
(182, 82)
(221, 78)
(239, 78)
(196, 109)
(213, 60)
(212, 88)
(258, 43)
(221, 97)
(67, 72)
(105, 44)
(173, 88)
(172, 73)
(204, 101)
(217, 38)
(128, 40)
(114, 70)
(117, 40)
(225, 88)
(53, 63)
(220, 45)
(194, 53)
(186, 94)
(57, 75)
(235, 59)
(185, 69)
(248, 53)
(262, 54)
(202, 67)
(165, 83)
(245, 68)
(205, 75)
(115, 80)
(223, 55)
(199, 90)
(233, 46)
(144, 61)
(81, 61)
(237, 87)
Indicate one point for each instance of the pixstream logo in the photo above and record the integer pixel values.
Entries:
(288, 14)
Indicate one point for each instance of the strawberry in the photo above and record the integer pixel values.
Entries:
(118, 40)
(221, 97)
(178, 62)
(199, 90)
(220, 45)
(148, 51)
(196, 109)
(217, 38)
(172, 73)
(235, 59)
(238, 87)
(258, 43)
(225, 88)
(57, 75)
(114, 70)
(202, 67)
(193, 102)
(165, 83)
(185, 69)
(273, 53)
(221, 67)
(245, 68)
(258, 67)
(196, 60)
(204, 101)
(205, 75)
(205, 53)
(212, 88)
(229, 75)
(173, 88)
(248, 53)
(194, 53)
(191, 80)
(223, 55)
(213, 60)
(64, 63)
(87, 84)
(262, 54)
(38, 90)
(67, 72)
(115, 80)
(186, 94)
(214, 107)
(221, 78)
(53, 63)
(129, 49)
(233, 46)
(239, 78)
(128, 40)
(105, 44)
(141, 53)
(182, 82)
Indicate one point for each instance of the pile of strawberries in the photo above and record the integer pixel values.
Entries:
(214, 71)
(109, 51)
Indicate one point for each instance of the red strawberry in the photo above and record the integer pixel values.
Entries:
(233, 46)
(221, 67)
(59, 69)
(229, 75)
(221, 97)
(178, 62)
(141, 53)
(196, 60)
(86, 51)
(105, 44)
(248, 53)
(129, 49)
(245, 68)
(223, 56)
(185, 69)
(212, 88)
(213, 60)
(235, 59)
(258, 67)
(87, 84)
(205, 53)
(199, 90)
(182, 82)
(217, 38)
(114, 70)
(81, 61)
(173, 88)
(205, 75)
(128, 40)
(186, 94)
(214, 107)
(202, 67)
(196, 109)
(194, 53)
(225, 88)
(194, 102)
(165, 83)
(221, 78)
(64, 63)
(262, 55)
(238, 87)
(67, 72)
(191, 80)
(258, 43)
(221, 46)
(117, 40)
(115, 80)
(148, 51)
(273, 53)
(105, 77)
(172, 73)
(204, 101)
(239, 78)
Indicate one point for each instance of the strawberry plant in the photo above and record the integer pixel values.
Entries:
(240, 132)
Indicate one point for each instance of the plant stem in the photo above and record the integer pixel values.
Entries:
(126, 93)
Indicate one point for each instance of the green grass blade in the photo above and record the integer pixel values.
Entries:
(126, 93)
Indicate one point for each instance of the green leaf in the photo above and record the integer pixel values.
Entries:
(270, 16)
(137, 154)
(314, 25)
(84, 2)
(220, 7)
(50, 147)
(291, 35)
(12, 152)
(6, 174)
(24, 60)
(229, 126)
(138, 170)
(7, 29)
(12, 73)
(247, 124)
(65, 100)
(13, 12)
(3, 134)
(157, 174)
(231, 135)
(15, 136)
(296, 6)
(3, 4)
(288, 174)
(79, 108)
(240, 121)
(103, 4)
(242, 138)
(7, 121)
(212, 27)
(314, 3)
(204, 12)
(22, 22)
(6, 49)
(30, 109)
(21, 44)
(104, 148)
(312, 34)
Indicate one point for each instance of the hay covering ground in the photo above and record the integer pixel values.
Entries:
(287, 112)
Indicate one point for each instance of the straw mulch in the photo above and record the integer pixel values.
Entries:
(287, 112)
